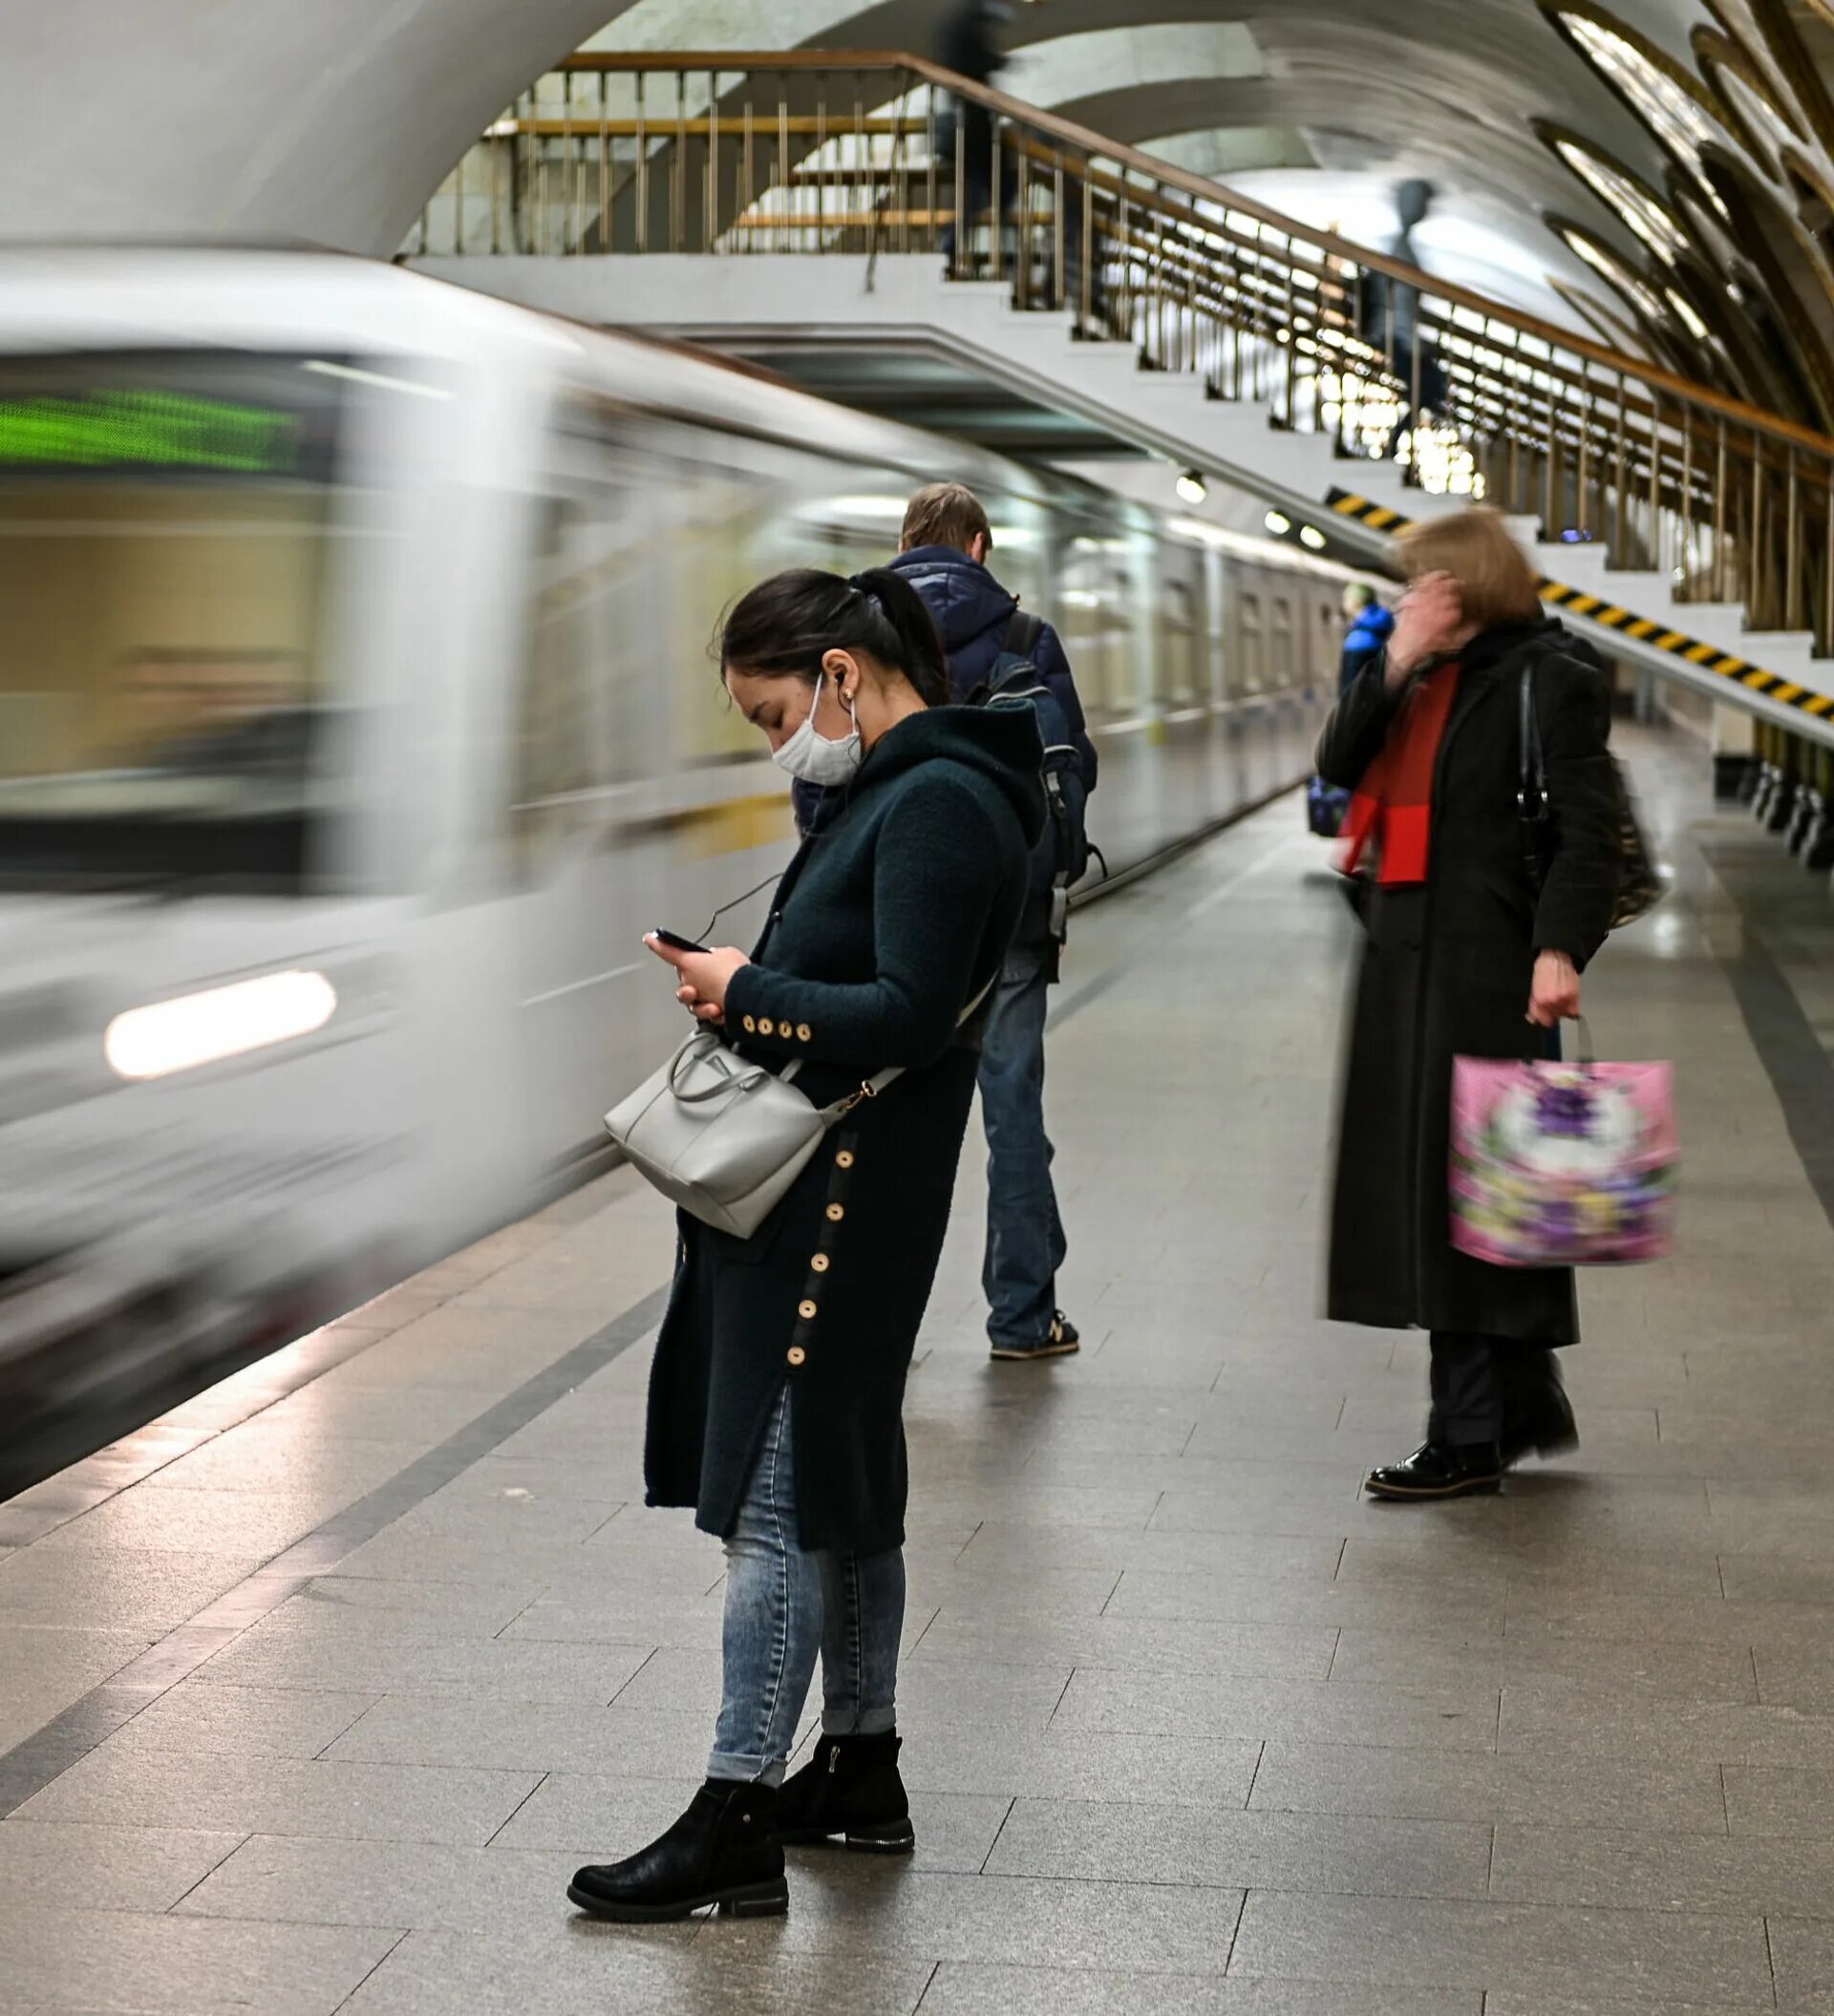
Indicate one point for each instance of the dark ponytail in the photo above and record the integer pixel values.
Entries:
(785, 624)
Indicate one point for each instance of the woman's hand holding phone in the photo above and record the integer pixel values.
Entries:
(705, 975)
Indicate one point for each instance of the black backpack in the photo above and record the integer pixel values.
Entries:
(1062, 856)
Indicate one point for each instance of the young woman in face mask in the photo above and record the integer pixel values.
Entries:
(777, 1394)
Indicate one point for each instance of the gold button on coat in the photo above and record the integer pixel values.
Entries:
(806, 1310)
(766, 1027)
(751, 1025)
(845, 1160)
(821, 1263)
(797, 1354)
(836, 1213)
(803, 1033)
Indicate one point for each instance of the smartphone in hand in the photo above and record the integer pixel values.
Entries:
(675, 941)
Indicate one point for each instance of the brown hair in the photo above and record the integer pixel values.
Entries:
(1474, 548)
(944, 515)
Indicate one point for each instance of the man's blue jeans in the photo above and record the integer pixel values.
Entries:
(1025, 1241)
(783, 1605)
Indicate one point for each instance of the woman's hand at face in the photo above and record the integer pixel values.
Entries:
(704, 977)
(1431, 620)
(1553, 995)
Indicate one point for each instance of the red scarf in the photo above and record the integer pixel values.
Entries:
(1393, 806)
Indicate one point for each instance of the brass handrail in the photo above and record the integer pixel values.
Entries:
(1085, 139)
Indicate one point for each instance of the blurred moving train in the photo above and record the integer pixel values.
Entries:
(357, 716)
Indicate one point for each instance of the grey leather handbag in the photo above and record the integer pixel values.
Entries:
(725, 1138)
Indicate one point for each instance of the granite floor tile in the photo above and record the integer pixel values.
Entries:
(1744, 1873)
(1247, 1851)
(1473, 1786)
(163, 1521)
(324, 1654)
(409, 1609)
(287, 1796)
(201, 1719)
(1803, 1955)
(165, 1966)
(1580, 1721)
(1663, 1667)
(583, 1969)
(1321, 1711)
(971, 1990)
(367, 1882)
(876, 1913)
(1220, 1596)
(44, 1668)
(1527, 1950)
(129, 1590)
(44, 1865)
(1780, 1802)
(1297, 1652)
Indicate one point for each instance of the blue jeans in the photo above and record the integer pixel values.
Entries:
(783, 1605)
(1025, 1241)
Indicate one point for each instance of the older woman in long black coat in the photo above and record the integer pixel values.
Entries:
(777, 1396)
(1469, 952)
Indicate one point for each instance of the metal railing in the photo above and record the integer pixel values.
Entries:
(854, 153)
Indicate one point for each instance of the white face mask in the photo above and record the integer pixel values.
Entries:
(818, 758)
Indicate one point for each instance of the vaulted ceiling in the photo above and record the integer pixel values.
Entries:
(331, 123)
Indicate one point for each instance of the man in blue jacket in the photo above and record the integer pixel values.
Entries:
(943, 554)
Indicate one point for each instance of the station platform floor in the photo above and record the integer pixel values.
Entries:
(313, 1694)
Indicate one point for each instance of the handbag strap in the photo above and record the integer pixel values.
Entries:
(1531, 775)
(871, 1088)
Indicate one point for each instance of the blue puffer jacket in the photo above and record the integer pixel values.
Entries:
(972, 610)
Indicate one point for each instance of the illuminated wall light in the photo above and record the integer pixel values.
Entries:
(1310, 536)
(1278, 523)
(194, 1029)
(1191, 487)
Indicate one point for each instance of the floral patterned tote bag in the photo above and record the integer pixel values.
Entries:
(1561, 1165)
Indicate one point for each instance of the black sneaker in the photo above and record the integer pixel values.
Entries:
(1057, 1342)
(1433, 1471)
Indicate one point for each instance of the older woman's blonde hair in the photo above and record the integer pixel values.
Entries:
(1474, 548)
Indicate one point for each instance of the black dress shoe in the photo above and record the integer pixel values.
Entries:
(1436, 1470)
(723, 1851)
(849, 1789)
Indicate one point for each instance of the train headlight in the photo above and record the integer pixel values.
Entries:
(167, 1036)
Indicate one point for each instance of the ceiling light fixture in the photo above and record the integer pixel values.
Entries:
(1278, 523)
(1191, 487)
(1310, 536)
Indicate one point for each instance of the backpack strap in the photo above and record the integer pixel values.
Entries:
(1023, 630)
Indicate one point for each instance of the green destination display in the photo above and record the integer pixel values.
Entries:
(147, 430)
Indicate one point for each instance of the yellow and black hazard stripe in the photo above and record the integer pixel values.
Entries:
(1597, 608)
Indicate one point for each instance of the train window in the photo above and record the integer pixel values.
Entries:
(1178, 641)
(1252, 657)
(166, 529)
(1284, 672)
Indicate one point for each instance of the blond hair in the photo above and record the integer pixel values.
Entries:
(944, 515)
(1474, 546)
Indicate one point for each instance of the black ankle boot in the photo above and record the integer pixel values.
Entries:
(850, 1786)
(1454, 1471)
(723, 1851)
